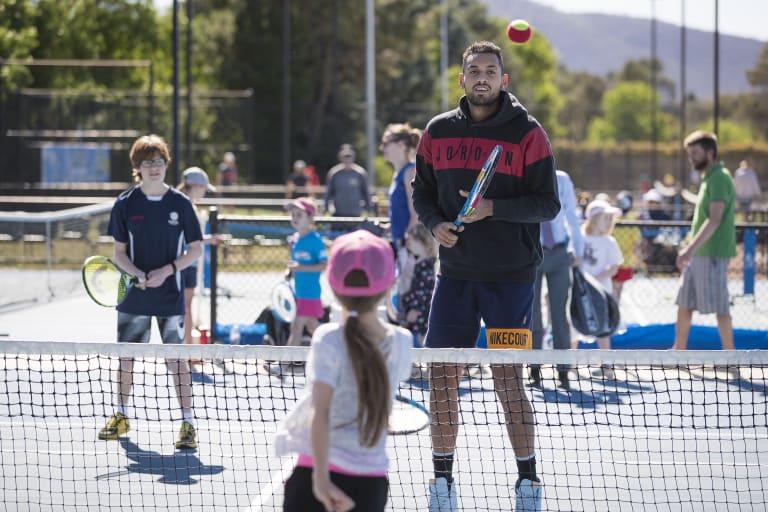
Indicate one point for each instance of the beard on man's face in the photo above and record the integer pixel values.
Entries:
(483, 101)
(701, 164)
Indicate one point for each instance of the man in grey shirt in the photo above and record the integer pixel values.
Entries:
(347, 186)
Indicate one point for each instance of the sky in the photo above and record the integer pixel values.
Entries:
(745, 18)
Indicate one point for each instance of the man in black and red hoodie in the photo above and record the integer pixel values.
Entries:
(488, 264)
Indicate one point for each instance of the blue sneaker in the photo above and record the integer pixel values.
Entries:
(527, 496)
(442, 498)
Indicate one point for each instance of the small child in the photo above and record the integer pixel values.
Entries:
(602, 256)
(339, 428)
(195, 185)
(308, 260)
(419, 267)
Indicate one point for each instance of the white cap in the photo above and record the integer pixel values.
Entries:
(653, 195)
(599, 206)
(197, 176)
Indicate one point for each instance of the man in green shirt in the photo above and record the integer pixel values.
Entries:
(704, 262)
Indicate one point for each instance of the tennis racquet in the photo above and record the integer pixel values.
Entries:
(105, 282)
(283, 301)
(481, 183)
(408, 416)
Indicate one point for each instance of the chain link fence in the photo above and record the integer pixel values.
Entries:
(256, 254)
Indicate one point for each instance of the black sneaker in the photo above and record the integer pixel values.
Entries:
(563, 378)
(534, 378)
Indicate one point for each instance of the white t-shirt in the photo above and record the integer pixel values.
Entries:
(600, 252)
(329, 363)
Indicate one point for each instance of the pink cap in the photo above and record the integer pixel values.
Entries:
(361, 250)
(302, 203)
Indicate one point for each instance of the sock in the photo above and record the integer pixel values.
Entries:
(189, 417)
(120, 409)
(443, 463)
(526, 468)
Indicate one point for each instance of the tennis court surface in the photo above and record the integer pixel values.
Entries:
(671, 432)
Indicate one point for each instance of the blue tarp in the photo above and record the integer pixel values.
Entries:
(662, 336)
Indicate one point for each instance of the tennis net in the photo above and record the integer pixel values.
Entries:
(670, 431)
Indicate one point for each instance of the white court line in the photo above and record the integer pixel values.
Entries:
(269, 490)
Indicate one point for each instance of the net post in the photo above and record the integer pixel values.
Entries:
(48, 256)
(213, 219)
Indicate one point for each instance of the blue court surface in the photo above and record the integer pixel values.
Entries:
(655, 438)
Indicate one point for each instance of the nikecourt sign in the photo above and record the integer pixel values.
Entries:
(509, 338)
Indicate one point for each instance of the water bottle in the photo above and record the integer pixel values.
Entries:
(234, 335)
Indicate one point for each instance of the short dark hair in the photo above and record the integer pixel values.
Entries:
(482, 47)
(707, 140)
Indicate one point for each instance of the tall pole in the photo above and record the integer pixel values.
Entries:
(188, 61)
(683, 93)
(654, 88)
(175, 99)
(370, 89)
(717, 68)
(286, 160)
(444, 55)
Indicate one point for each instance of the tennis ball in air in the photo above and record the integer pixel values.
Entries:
(519, 31)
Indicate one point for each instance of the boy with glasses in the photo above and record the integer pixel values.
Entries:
(150, 223)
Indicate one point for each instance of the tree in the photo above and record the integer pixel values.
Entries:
(758, 78)
(18, 37)
(627, 115)
(583, 94)
(96, 29)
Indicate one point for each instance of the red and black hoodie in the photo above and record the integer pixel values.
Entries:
(504, 247)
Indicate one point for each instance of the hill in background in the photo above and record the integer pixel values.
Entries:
(599, 44)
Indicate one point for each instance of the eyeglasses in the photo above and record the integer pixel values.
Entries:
(158, 162)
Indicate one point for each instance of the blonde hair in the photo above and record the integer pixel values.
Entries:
(374, 402)
(420, 233)
(589, 227)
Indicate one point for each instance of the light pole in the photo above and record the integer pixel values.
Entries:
(286, 160)
(717, 68)
(444, 54)
(683, 93)
(175, 100)
(654, 87)
(370, 89)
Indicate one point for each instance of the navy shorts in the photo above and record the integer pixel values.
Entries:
(189, 277)
(458, 306)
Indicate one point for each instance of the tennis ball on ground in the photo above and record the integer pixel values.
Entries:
(519, 31)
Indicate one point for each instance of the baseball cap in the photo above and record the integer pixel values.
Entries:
(197, 176)
(599, 206)
(653, 195)
(364, 251)
(302, 203)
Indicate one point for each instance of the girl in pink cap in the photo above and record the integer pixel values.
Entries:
(338, 429)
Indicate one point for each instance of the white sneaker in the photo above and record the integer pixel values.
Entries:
(527, 496)
(441, 497)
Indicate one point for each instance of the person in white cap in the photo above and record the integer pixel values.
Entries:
(602, 256)
(195, 184)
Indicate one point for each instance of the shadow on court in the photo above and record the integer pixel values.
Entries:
(180, 468)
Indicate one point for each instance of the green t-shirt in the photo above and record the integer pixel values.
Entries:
(717, 185)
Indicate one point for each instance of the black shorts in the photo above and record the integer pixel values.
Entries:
(189, 277)
(368, 492)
